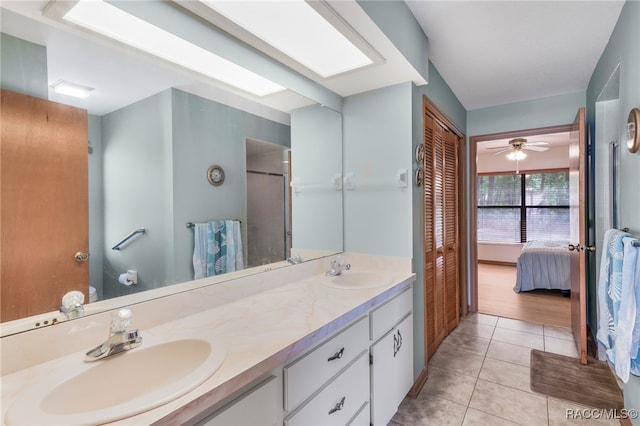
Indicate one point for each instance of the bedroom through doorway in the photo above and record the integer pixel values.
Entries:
(522, 199)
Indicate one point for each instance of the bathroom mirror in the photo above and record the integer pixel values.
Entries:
(285, 141)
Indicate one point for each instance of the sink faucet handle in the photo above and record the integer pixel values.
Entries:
(121, 321)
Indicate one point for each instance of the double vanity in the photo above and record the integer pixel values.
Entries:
(292, 347)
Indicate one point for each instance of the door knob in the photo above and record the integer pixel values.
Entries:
(590, 248)
(81, 256)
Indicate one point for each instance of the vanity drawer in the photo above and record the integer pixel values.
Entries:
(307, 374)
(340, 401)
(388, 315)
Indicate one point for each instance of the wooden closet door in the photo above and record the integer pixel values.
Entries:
(450, 232)
(44, 190)
(433, 237)
(441, 260)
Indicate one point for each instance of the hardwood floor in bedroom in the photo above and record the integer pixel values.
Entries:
(496, 297)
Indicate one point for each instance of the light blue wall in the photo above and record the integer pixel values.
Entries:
(377, 142)
(207, 133)
(543, 112)
(398, 23)
(156, 154)
(316, 148)
(23, 67)
(137, 193)
(623, 49)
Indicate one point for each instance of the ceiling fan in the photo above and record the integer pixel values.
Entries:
(516, 147)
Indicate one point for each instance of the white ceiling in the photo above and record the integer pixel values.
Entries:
(498, 52)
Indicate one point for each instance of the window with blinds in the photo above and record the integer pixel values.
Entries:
(525, 207)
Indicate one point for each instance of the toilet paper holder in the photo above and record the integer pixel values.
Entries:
(128, 278)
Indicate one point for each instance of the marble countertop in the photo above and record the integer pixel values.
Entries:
(262, 331)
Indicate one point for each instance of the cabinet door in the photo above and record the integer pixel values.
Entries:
(339, 401)
(391, 371)
(256, 407)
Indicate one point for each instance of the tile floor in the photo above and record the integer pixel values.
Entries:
(480, 376)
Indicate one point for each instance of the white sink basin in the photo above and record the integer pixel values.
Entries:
(119, 386)
(357, 280)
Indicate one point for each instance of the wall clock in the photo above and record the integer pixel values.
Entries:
(215, 175)
(633, 130)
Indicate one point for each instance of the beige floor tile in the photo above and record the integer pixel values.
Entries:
(468, 342)
(520, 338)
(558, 332)
(520, 355)
(482, 319)
(431, 411)
(560, 346)
(448, 385)
(518, 325)
(508, 403)
(478, 418)
(566, 413)
(506, 374)
(476, 329)
(451, 358)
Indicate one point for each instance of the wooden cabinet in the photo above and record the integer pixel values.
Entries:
(391, 359)
(441, 231)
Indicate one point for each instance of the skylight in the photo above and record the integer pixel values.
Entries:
(113, 22)
(297, 30)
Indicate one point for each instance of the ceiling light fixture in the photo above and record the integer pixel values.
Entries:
(115, 23)
(71, 89)
(516, 155)
(296, 29)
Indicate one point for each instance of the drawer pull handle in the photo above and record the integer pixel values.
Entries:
(338, 406)
(397, 343)
(337, 355)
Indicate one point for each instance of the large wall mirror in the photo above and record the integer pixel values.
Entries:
(154, 133)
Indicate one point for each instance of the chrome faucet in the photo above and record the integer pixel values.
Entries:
(337, 267)
(120, 338)
(72, 304)
(294, 260)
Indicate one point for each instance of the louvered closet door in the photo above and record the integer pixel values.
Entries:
(450, 232)
(440, 233)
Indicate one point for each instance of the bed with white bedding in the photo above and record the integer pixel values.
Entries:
(543, 265)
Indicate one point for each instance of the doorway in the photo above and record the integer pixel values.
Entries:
(512, 205)
(268, 203)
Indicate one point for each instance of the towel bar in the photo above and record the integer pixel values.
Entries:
(191, 224)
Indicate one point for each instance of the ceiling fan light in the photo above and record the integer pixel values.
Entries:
(516, 155)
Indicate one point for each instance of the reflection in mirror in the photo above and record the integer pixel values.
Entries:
(153, 132)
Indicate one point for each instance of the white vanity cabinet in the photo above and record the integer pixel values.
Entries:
(391, 357)
(356, 377)
(258, 406)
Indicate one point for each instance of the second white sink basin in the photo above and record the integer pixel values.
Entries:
(119, 386)
(356, 280)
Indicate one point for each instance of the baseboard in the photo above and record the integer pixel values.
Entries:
(418, 384)
(496, 262)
